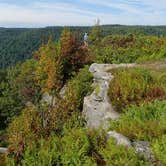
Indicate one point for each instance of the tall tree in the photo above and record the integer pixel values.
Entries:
(73, 54)
(49, 68)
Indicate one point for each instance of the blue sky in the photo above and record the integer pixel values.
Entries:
(41, 13)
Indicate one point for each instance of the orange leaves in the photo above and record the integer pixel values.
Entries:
(48, 71)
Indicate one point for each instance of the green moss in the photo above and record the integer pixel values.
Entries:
(97, 89)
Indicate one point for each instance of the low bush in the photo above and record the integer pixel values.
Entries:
(135, 86)
(79, 86)
(79, 147)
(159, 149)
(43, 121)
(145, 122)
(22, 131)
(3, 160)
(130, 48)
(118, 155)
(71, 149)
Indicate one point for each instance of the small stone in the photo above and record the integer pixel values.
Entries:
(120, 139)
(3, 150)
(143, 148)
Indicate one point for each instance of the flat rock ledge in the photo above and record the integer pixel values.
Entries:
(97, 108)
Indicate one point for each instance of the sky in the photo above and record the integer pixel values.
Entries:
(42, 13)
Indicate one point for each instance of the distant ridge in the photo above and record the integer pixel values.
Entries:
(18, 44)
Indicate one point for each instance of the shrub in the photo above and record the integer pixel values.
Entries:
(23, 130)
(3, 160)
(71, 149)
(76, 148)
(73, 54)
(119, 155)
(45, 152)
(145, 122)
(25, 80)
(78, 87)
(135, 86)
(130, 48)
(159, 149)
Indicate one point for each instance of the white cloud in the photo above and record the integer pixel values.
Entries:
(49, 14)
(45, 14)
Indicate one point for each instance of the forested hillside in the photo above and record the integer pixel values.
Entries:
(41, 100)
(18, 44)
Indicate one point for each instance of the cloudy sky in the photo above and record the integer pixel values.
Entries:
(40, 13)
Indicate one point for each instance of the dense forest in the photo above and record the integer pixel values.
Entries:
(41, 132)
(18, 44)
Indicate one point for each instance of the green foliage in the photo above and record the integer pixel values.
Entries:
(135, 86)
(79, 147)
(3, 160)
(18, 44)
(96, 35)
(71, 149)
(56, 134)
(76, 148)
(130, 48)
(145, 122)
(118, 155)
(45, 152)
(23, 130)
(10, 102)
(27, 87)
(73, 55)
(72, 101)
(82, 86)
(49, 68)
(159, 149)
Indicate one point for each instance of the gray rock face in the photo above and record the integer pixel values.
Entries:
(143, 148)
(3, 150)
(97, 108)
(120, 139)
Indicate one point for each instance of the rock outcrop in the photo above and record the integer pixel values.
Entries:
(3, 150)
(97, 108)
